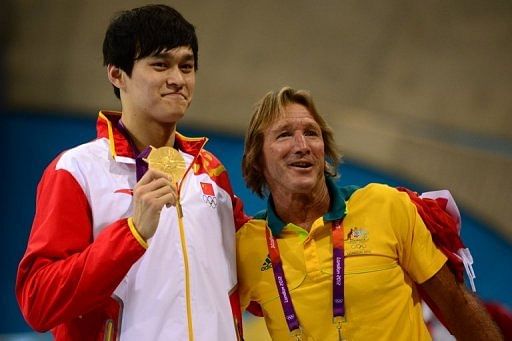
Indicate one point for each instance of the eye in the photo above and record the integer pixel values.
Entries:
(312, 132)
(187, 67)
(283, 134)
(159, 66)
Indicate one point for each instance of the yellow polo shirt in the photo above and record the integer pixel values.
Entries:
(387, 249)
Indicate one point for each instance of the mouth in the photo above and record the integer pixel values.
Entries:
(301, 164)
(175, 95)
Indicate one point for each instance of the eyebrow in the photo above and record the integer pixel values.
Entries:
(187, 56)
(288, 125)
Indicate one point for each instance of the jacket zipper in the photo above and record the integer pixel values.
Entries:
(179, 212)
(187, 269)
(109, 324)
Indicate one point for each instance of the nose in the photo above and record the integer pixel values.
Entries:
(174, 77)
(301, 144)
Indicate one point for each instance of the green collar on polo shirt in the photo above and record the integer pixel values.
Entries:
(338, 209)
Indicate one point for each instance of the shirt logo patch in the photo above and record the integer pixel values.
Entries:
(207, 188)
(356, 242)
(125, 191)
(208, 195)
(267, 264)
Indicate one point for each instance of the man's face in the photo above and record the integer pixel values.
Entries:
(293, 152)
(160, 87)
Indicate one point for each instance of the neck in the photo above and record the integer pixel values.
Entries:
(144, 134)
(302, 209)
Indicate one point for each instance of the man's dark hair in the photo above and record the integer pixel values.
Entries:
(146, 31)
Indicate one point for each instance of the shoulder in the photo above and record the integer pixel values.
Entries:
(207, 162)
(251, 243)
(381, 197)
(81, 155)
(209, 159)
(379, 191)
(252, 232)
(79, 162)
(254, 227)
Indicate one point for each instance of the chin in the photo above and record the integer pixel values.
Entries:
(308, 185)
(303, 188)
(172, 117)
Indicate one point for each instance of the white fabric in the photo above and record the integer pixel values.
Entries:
(153, 292)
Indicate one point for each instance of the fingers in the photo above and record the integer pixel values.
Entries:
(154, 185)
(157, 198)
(153, 191)
(151, 175)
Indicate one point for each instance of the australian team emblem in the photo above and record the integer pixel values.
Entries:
(356, 241)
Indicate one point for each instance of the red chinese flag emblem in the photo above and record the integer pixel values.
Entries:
(207, 188)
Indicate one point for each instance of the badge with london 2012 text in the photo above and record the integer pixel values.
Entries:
(167, 160)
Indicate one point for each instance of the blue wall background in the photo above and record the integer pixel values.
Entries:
(30, 142)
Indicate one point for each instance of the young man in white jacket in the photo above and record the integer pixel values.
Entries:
(134, 232)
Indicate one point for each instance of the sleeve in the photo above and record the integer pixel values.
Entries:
(238, 212)
(64, 272)
(418, 254)
(244, 262)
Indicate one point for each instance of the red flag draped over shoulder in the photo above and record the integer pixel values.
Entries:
(441, 216)
(443, 226)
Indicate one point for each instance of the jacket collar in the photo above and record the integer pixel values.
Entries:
(120, 147)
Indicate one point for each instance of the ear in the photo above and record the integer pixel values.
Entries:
(115, 76)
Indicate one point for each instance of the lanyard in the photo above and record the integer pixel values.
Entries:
(140, 166)
(338, 281)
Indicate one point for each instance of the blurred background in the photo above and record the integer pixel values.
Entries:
(418, 93)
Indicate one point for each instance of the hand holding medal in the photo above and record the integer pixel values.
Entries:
(169, 161)
(158, 187)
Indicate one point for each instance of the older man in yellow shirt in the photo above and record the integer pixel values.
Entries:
(329, 263)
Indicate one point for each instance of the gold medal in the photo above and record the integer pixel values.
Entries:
(167, 160)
